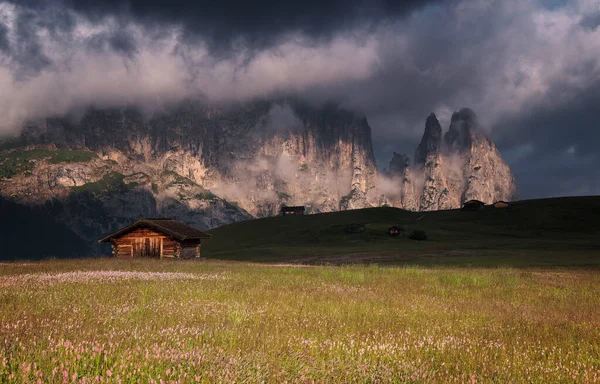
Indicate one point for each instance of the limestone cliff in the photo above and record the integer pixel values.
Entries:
(205, 165)
(211, 166)
(464, 165)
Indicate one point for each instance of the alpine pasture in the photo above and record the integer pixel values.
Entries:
(494, 296)
(98, 321)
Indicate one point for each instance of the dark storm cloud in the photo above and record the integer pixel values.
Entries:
(119, 41)
(258, 23)
(547, 173)
(530, 69)
(591, 21)
(554, 149)
(62, 58)
(4, 45)
(27, 51)
(556, 128)
(24, 47)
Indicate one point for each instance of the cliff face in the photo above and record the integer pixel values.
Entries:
(485, 175)
(206, 166)
(465, 165)
(213, 166)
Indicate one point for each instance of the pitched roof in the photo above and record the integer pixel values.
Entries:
(175, 229)
(474, 202)
(296, 208)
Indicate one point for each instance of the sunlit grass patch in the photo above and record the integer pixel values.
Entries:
(147, 321)
(86, 277)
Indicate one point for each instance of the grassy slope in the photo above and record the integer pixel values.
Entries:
(15, 162)
(560, 231)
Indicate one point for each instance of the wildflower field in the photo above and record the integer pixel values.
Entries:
(111, 320)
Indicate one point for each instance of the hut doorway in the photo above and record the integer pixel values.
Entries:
(147, 247)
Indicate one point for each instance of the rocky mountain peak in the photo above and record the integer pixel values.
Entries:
(431, 141)
(212, 166)
(469, 167)
(204, 165)
(463, 127)
(399, 163)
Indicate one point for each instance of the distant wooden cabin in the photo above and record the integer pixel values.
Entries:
(292, 210)
(156, 238)
(395, 231)
(473, 205)
(500, 204)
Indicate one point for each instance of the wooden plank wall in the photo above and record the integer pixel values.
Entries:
(169, 247)
(123, 246)
(122, 250)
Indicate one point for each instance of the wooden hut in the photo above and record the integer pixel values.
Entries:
(395, 231)
(473, 205)
(299, 210)
(500, 204)
(156, 238)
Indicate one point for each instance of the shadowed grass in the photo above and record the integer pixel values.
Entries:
(545, 232)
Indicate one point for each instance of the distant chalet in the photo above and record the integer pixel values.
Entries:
(395, 231)
(473, 205)
(500, 204)
(156, 238)
(299, 210)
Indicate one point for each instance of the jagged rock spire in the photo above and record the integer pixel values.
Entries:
(463, 126)
(466, 165)
(431, 141)
(399, 163)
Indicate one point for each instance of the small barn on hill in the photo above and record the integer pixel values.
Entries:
(500, 204)
(395, 231)
(285, 211)
(473, 205)
(156, 238)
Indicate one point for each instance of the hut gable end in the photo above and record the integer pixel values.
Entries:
(473, 205)
(156, 238)
(141, 232)
(395, 230)
(298, 210)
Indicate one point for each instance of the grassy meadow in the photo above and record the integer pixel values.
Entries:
(108, 320)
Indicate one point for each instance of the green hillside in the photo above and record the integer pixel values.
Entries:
(545, 232)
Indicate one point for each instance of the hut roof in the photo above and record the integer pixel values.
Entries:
(295, 208)
(474, 202)
(175, 229)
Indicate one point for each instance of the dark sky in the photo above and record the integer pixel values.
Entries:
(529, 69)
